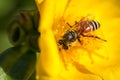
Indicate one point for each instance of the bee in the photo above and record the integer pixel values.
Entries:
(74, 33)
(69, 37)
(81, 27)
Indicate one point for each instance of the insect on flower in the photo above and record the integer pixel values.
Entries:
(81, 27)
(74, 34)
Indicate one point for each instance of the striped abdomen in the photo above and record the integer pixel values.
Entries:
(87, 26)
(94, 25)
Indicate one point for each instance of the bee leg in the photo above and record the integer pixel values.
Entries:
(76, 22)
(72, 25)
(79, 40)
(69, 25)
(93, 37)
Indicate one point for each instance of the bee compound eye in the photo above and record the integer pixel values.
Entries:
(16, 34)
(65, 47)
(60, 42)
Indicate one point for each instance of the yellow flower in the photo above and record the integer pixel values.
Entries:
(75, 63)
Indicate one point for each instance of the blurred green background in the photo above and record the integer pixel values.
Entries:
(8, 8)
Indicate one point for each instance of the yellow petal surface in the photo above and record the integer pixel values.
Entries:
(105, 55)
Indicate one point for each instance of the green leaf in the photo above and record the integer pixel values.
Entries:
(10, 56)
(19, 63)
(2, 74)
(24, 67)
(33, 76)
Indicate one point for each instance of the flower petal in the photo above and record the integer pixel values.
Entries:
(106, 12)
(49, 62)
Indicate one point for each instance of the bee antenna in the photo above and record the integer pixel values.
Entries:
(69, 25)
